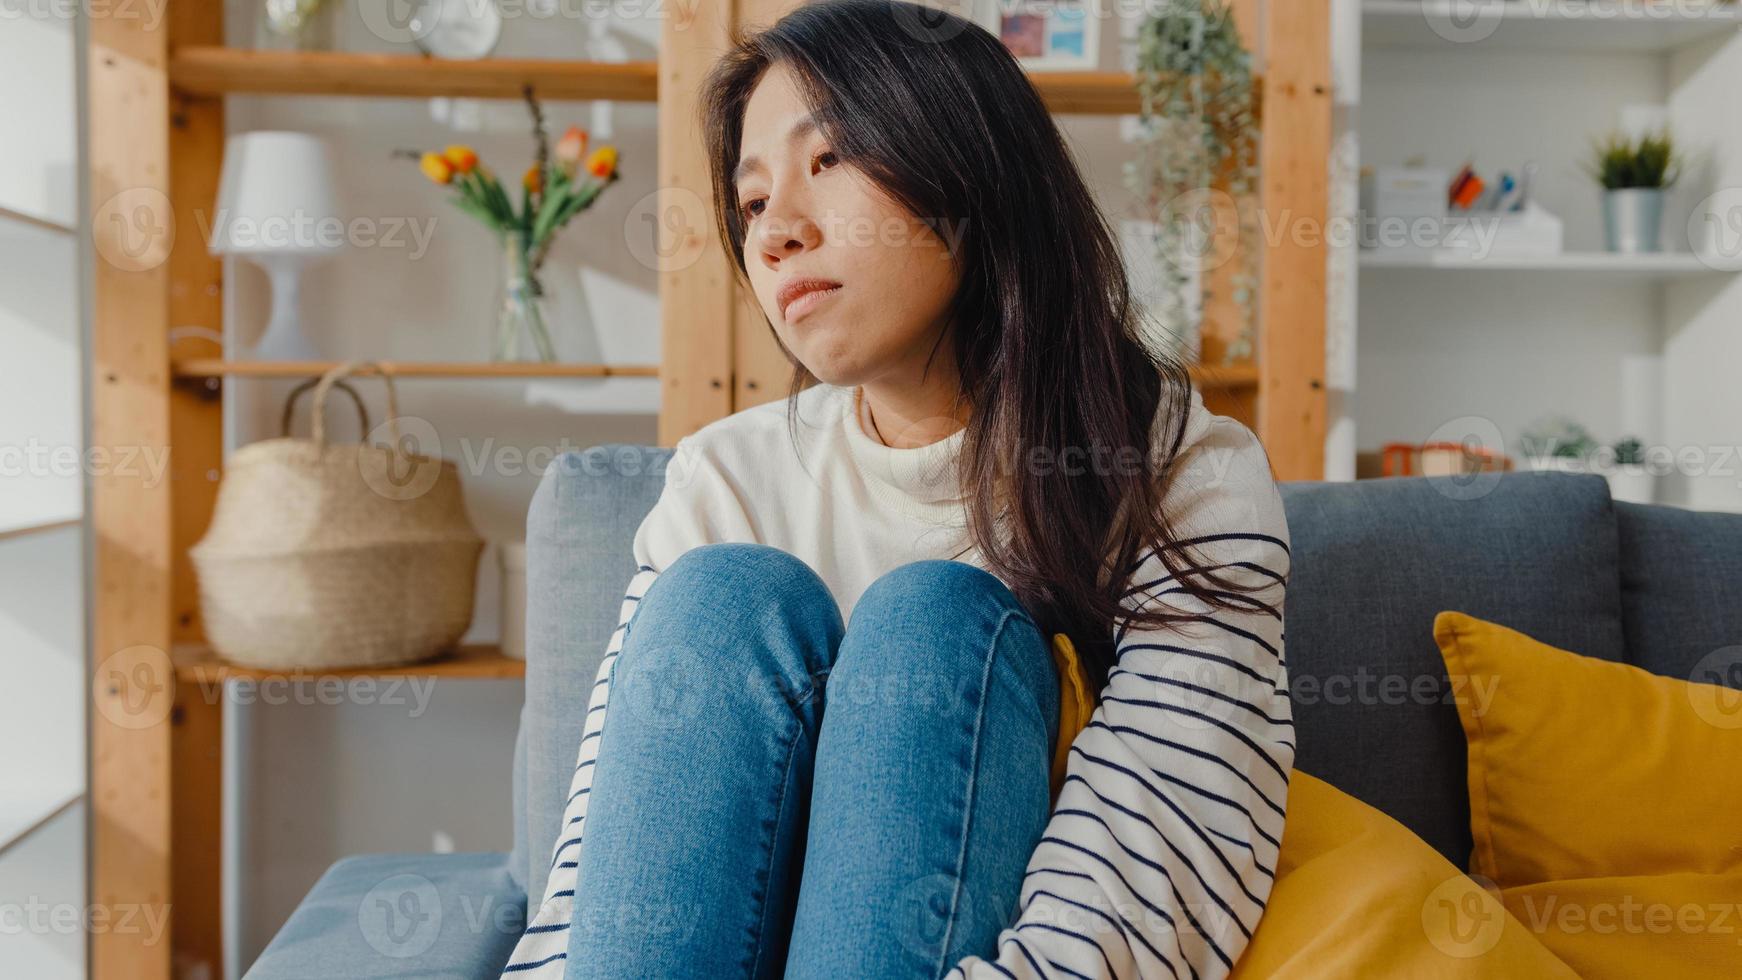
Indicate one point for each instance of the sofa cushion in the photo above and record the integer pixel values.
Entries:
(1681, 592)
(580, 531)
(1373, 562)
(1357, 895)
(443, 916)
(1580, 768)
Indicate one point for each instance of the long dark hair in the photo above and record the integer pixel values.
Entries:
(936, 112)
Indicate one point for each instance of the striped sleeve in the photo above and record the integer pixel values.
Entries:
(544, 945)
(1162, 847)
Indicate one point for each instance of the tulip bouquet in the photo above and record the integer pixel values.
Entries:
(558, 186)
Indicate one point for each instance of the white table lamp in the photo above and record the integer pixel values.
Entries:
(277, 207)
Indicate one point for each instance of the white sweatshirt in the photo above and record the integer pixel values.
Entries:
(1161, 850)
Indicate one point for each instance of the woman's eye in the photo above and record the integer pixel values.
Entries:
(824, 160)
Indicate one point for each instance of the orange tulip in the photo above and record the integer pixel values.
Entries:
(602, 162)
(534, 179)
(571, 148)
(436, 167)
(462, 158)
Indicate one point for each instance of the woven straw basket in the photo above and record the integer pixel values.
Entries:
(326, 555)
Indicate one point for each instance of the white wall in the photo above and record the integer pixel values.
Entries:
(1702, 332)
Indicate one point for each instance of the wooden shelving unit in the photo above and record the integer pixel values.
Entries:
(155, 93)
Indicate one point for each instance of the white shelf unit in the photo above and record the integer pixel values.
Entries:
(1541, 25)
(1440, 340)
(1659, 267)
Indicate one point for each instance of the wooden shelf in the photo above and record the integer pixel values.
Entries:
(211, 367)
(1543, 27)
(1241, 374)
(1102, 93)
(215, 71)
(222, 71)
(202, 665)
(1653, 266)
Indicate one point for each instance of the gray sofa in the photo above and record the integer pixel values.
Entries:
(1547, 554)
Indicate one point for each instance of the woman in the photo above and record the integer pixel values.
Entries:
(833, 705)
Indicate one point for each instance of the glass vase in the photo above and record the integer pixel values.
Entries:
(521, 325)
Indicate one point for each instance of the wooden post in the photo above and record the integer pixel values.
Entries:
(133, 683)
(759, 367)
(196, 423)
(696, 292)
(1294, 161)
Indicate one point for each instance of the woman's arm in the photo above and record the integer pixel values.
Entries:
(1162, 848)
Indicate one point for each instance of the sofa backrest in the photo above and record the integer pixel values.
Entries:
(1373, 562)
(579, 532)
(1681, 592)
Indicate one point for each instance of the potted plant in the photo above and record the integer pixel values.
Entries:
(1562, 445)
(1558, 445)
(1197, 161)
(1629, 480)
(557, 187)
(1634, 174)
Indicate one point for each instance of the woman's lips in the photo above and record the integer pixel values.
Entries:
(807, 301)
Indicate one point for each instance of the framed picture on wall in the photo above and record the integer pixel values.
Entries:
(1046, 35)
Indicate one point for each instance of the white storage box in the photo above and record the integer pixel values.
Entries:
(1479, 234)
(1402, 208)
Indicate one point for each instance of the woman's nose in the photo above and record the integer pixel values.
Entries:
(782, 232)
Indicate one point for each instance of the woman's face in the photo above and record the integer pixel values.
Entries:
(809, 216)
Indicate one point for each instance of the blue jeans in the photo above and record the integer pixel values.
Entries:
(777, 794)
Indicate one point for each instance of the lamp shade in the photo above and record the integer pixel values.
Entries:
(277, 196)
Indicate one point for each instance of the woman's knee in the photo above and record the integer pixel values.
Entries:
(708, 599)
(940, 629)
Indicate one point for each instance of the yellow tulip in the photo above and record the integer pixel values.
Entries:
(462, 158)
(436, 167)
(602, 162)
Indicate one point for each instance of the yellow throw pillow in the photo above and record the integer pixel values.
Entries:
(1358, 895)
(1658, 926)
(1583, 768)
(1076, 705)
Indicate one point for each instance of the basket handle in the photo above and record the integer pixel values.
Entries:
(332, 377)
(295, 393)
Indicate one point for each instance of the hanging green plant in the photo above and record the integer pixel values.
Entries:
(1198, 142)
